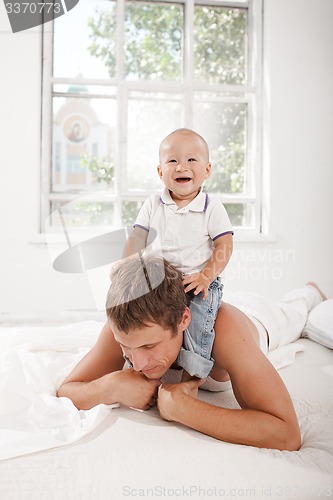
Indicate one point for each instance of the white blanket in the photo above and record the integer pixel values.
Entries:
(34, 363)
(134, 453)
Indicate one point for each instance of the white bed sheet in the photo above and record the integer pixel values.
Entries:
(136, 454)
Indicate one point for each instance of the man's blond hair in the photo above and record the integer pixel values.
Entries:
(133, 300)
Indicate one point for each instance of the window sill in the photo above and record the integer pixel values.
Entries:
(240, 237)
(244, 237)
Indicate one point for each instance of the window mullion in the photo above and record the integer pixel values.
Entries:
(224, 3)
(46, 130)
(189, 62)
(121, 110)
(255, 111)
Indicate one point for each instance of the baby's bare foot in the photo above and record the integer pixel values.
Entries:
(314, 285)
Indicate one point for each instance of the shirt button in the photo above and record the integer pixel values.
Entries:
(171, 224)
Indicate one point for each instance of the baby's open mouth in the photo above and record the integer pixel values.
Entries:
(183, 180)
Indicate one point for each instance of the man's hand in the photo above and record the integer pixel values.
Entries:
(172, 396)
(197, 281)
(136, 390)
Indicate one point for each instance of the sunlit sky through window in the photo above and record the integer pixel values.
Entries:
(71, 33)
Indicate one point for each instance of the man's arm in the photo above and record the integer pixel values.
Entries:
(267, 418)
(98, 378)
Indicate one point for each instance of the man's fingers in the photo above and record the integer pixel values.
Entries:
(152, 402)
(194, 382)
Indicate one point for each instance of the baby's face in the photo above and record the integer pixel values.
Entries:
(184, 164)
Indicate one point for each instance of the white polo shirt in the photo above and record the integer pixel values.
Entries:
(185, 235)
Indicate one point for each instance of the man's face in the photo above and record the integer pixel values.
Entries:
(152, 349)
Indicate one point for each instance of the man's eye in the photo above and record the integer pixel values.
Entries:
(148, 347)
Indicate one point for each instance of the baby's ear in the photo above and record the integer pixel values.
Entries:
(208, 169)
(159, 171)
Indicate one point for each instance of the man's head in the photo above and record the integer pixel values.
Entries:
(184, 163)
(147, 320)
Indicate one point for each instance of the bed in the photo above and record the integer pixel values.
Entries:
(49, 450)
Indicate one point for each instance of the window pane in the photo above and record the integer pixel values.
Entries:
(81, 213)
(220, 45)
(240, 214)
(84, 138)
(150, 118)
(146, 99)
(129, 212)
(153, 41)
(223, 125)
(85, 41)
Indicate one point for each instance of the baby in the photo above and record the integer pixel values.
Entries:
(194, 234)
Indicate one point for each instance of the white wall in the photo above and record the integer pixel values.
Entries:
(27, 280)
(298, 150)
(298, 166)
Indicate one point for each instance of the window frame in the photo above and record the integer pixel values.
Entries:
(249, 94)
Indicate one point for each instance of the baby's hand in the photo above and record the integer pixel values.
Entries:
(197, 282)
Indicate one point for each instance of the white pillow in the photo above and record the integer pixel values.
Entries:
(319, 326)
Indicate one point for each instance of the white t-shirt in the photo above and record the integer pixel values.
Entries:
(185, 235)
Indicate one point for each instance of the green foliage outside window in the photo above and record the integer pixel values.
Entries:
(102, 169)
(153, 48)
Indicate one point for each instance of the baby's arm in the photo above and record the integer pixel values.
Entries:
(136, 242)
(199, 282)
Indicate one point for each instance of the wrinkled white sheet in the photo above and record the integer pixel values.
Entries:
(34, 362)
(126, 453)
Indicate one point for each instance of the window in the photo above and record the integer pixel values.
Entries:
(119, 75)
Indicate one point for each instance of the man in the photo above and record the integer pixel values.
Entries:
(148, 316)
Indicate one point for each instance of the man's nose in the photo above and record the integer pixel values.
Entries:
(139, 360)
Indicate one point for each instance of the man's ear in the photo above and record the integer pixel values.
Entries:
(186, 319)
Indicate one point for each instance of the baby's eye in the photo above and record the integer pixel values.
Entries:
(172, 161)
(191, 159)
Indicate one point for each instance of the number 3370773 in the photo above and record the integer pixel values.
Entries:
(33, 8)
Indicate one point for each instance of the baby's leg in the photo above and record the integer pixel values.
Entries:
(195, 357)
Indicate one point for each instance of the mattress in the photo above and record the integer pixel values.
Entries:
(115, 452)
